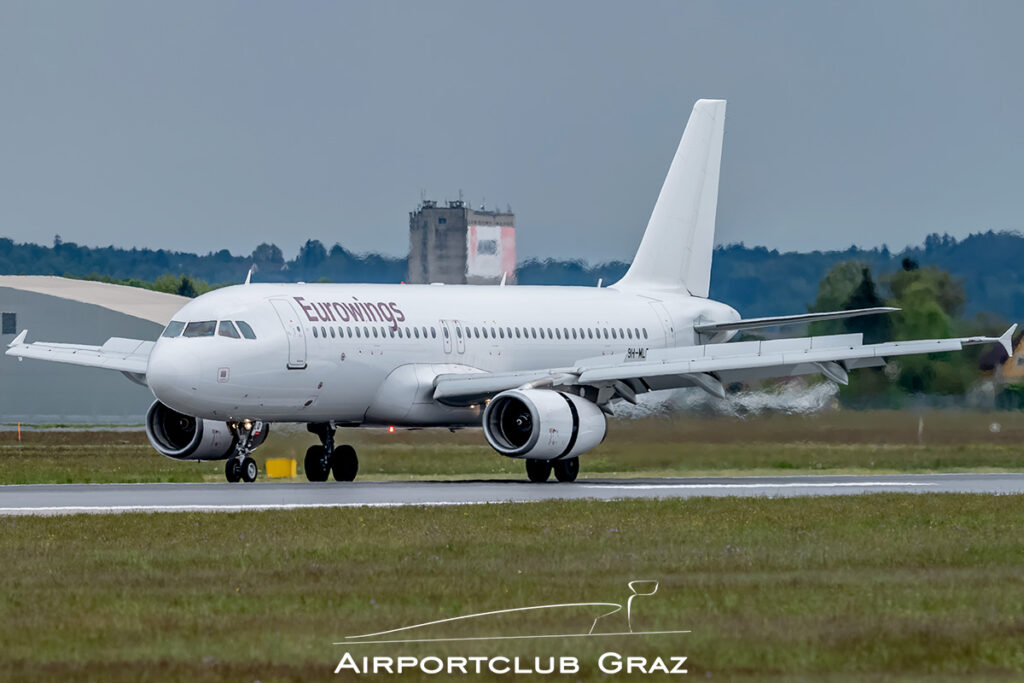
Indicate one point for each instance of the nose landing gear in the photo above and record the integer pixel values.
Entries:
(326, 459)
(241, 466)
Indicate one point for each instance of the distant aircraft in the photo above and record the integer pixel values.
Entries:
(538, 367)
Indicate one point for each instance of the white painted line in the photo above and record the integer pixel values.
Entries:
(787, 485)
(87, 509)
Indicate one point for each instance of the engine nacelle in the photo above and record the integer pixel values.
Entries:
(184, 437)
(542, 424)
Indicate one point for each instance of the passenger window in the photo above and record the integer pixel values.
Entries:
(533, 332)
(358, 334)
(501, 333)
(636, 332)
(458, 332)
(205, 328)
(323, 332)
(550, 336)
(574, 333)
(517, 333)
(366, 332)
(606, 333)
(173, 329)
(613, 334)
(565, 331)
(542, 333)
(244, 328)
(391, 330)
(629, 333)
(375, 332)
(433, 333)
(332, 333)
(590, 333)
(645, 333)
(476, 332)
(485, 333)
(424, 331)
(315, 333)
(508, 330)
(493, 336)
(621, 334)
(558, 333)
(226, 329)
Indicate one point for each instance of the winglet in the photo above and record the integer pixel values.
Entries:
(1007, 339)
(19, 340)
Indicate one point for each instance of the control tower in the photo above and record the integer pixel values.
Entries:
(456, 244)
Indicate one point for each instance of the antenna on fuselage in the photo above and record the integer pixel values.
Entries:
(599, 281)
(503, 276)
(248, 276)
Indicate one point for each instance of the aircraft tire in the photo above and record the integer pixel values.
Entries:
(316, 464)
(233, 470)
(344, 463)
(567, 470)
(538, 470)
(250, 470)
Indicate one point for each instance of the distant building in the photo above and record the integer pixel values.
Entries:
(456, 244)
(56, 309)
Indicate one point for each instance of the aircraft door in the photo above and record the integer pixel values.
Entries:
(666, 322)
(460, 339)
(446, 336)
(285, 310)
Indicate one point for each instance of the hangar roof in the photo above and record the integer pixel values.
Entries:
(146, 304)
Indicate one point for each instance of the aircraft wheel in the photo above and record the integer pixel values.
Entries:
(344, 464)
(538, 470)
(566, 470)
(250, 470)
(316, 463)
(233, 470)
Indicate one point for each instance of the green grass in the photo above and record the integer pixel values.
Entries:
(852, 588)
(842, 442)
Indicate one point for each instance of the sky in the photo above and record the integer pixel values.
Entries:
(200, 126)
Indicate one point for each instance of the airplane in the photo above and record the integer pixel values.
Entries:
(538, 367)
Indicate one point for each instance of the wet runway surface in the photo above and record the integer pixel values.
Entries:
(56, 499)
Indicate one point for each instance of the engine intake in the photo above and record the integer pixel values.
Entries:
(184, 437)
(542, 424)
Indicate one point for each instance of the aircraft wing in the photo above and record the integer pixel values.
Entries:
(130, 356)
(710, 366)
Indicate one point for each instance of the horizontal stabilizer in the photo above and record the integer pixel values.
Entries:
(776, 321)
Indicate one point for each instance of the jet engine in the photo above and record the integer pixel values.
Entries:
(542, 424)
(184, 437)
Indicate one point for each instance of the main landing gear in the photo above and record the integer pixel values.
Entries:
(241, 466)
(327, 459)
(565, 470)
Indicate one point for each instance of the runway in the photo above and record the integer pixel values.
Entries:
(58, 499)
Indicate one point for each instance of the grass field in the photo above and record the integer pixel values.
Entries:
(850, 441)
(861, 588)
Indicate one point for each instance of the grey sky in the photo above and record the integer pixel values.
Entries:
(207, 125)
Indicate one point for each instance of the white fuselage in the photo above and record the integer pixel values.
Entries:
(368, 354)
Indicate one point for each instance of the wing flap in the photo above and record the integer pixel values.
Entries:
(117, 353)
(778, 321)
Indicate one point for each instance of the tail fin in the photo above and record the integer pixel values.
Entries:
(675, 253)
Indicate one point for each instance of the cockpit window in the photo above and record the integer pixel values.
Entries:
(205, 328)
(226, 329)
(173, 328)
(245, 329)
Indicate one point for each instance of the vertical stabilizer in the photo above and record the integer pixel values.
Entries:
(675, 253)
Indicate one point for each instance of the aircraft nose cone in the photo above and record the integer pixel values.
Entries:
(172, 375)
